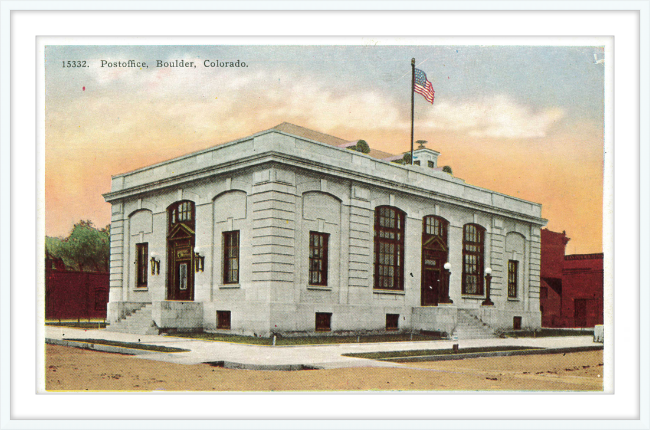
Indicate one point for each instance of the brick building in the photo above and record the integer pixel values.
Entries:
(571, 286)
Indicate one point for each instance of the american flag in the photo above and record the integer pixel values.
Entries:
(423, 86)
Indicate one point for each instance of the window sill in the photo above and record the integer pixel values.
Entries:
(141, 289)
(397, 292)
(472, 297)
(229, 286)
(319, 288)
(514, 299)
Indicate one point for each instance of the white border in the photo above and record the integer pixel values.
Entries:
(24, 403)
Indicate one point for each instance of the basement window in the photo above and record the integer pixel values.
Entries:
(323, 321)
(223, 320)
(516, 323)
(392, 321)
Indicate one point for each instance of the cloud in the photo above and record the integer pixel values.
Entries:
(497, 117)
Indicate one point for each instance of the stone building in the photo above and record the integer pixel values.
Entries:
(288, 231)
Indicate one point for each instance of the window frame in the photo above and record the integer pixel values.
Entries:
(397, 252)
(323, 258)
(324, 316)
(142, 265)
(222, 316)
(390, 318)
(478, 254)
(227, 259)
(186, 207)
(513, 281)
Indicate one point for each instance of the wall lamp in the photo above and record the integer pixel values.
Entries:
(155, 264)
(444, 297)
(199, 260)
(488, 281)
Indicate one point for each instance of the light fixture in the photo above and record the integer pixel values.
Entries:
(155, 264)
(488, 281)
(199, 260)
(445, 294)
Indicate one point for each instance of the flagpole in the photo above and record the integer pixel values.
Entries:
(412, 102)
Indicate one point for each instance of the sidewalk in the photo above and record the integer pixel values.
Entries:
(262, 357)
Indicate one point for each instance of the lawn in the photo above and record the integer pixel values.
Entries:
(311, 340)
(389, 355)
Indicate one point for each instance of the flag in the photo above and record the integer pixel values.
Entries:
(423, 86)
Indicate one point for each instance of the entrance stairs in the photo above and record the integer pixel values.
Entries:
(140, 321)
(470, 326)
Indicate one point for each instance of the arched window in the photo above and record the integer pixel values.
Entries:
(473, 252)
(389, 248)
(181, 212)
(434, 229)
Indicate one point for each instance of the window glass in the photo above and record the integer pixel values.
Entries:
(231, 257)
(512, 278)
(142, 263)
(389, 248)
(473, 237)
(318, 243)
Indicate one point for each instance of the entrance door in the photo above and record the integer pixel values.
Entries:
(580, 312)
(431, 281)
(181, 279)
(434, 256)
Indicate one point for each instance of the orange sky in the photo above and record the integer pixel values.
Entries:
(539, 144)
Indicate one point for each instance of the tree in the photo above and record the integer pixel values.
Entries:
(361, 146)
(407, 158)
(447, 169)
(86, 249)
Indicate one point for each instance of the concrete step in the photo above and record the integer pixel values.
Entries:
(138, 322)
(469, 326)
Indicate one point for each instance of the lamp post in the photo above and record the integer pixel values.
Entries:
(445, 293)
(488, 280)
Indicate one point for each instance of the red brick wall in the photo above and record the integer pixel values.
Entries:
(582, 279)
(72, 295)
(552, 258)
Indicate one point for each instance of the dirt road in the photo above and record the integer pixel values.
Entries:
(81, 370)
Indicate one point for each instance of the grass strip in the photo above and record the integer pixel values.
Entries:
(132, 345)
(547, 332)
(74, 324)
(434, 352)
(308, 340)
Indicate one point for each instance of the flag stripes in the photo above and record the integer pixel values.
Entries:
(423, 86)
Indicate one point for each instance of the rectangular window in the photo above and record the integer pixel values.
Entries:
(142, 263)
(318, 258)
(392, 321)
(231, 257)
(516, 323)
(416, 162)
(512, 278)
(223, 320)
(473, 241)
(430, 163)
(323, 321)
(389, 248)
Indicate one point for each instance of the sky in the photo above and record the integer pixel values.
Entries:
(526, 121)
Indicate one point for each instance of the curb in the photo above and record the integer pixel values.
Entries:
(244, 366)
(97, 347)
(462, 356)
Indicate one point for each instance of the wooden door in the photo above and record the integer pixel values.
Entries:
(431, 277)
(580, 312)
(181, 273)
